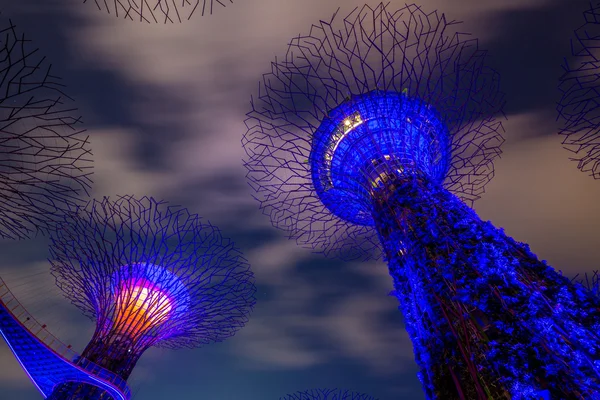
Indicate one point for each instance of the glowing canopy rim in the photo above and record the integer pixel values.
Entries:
(368, 138)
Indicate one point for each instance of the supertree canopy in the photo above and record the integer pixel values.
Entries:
(590, 281)
(149, 275)
(327, 394)
(368, 138)
(158, 11)
(45, 159)
(579, 106)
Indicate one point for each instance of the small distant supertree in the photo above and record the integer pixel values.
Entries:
(158, 11)
(590, 281)
(45, 159)
(327, 394)
(579, 106)
(369, 137)
(149, 275)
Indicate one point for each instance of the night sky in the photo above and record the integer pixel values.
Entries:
(165, 107)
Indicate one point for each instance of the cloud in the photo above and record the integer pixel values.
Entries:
(117, 171)
(268, 346)
(12, 375)
(358, 328)
(540, 197)
(308, 320)
(276, 259)
(183, 56)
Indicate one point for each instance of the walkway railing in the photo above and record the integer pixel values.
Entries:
(42, 334)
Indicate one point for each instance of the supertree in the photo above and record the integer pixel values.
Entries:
(327, 394)
(368, 138)
(590, 281)
(579, 106)
(158, 11)
(148, 275)
(45, 160)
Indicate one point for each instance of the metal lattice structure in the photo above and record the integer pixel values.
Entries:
(149, 275)
(159, 11)
(327, 394)
(370, 50)
(579, 106)
(375, 133)
(45, 159)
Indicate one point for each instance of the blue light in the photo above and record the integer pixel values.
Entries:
(370, 139)
(330, 157)
(48, 369)
(533, 333)
(16, 354)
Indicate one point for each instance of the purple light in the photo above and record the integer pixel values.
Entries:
(145, 297)
(149, 275)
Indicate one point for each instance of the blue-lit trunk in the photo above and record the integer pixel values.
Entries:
(109, 352)
(114, 353)
(487, 319)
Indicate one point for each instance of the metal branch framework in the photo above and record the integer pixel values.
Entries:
(373, 133)
(590, 281)
(45, 159)
(149, 275)
(159, 11)
(372, 49)
(579, 106)
(327, 394)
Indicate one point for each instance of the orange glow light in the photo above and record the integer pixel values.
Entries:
(141, 308)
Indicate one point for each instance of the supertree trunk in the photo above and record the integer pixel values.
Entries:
(487, 319)
(110, 352)
(114, 353)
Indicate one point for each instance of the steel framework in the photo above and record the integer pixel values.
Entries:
(158, 11)
(327, 394)
(369, 138)
(579, 106)
(45, 160)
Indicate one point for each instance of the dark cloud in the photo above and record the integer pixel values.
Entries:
(527, 47)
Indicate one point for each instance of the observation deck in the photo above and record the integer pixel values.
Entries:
(47, 361)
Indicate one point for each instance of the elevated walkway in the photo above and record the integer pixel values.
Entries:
(47, 361)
